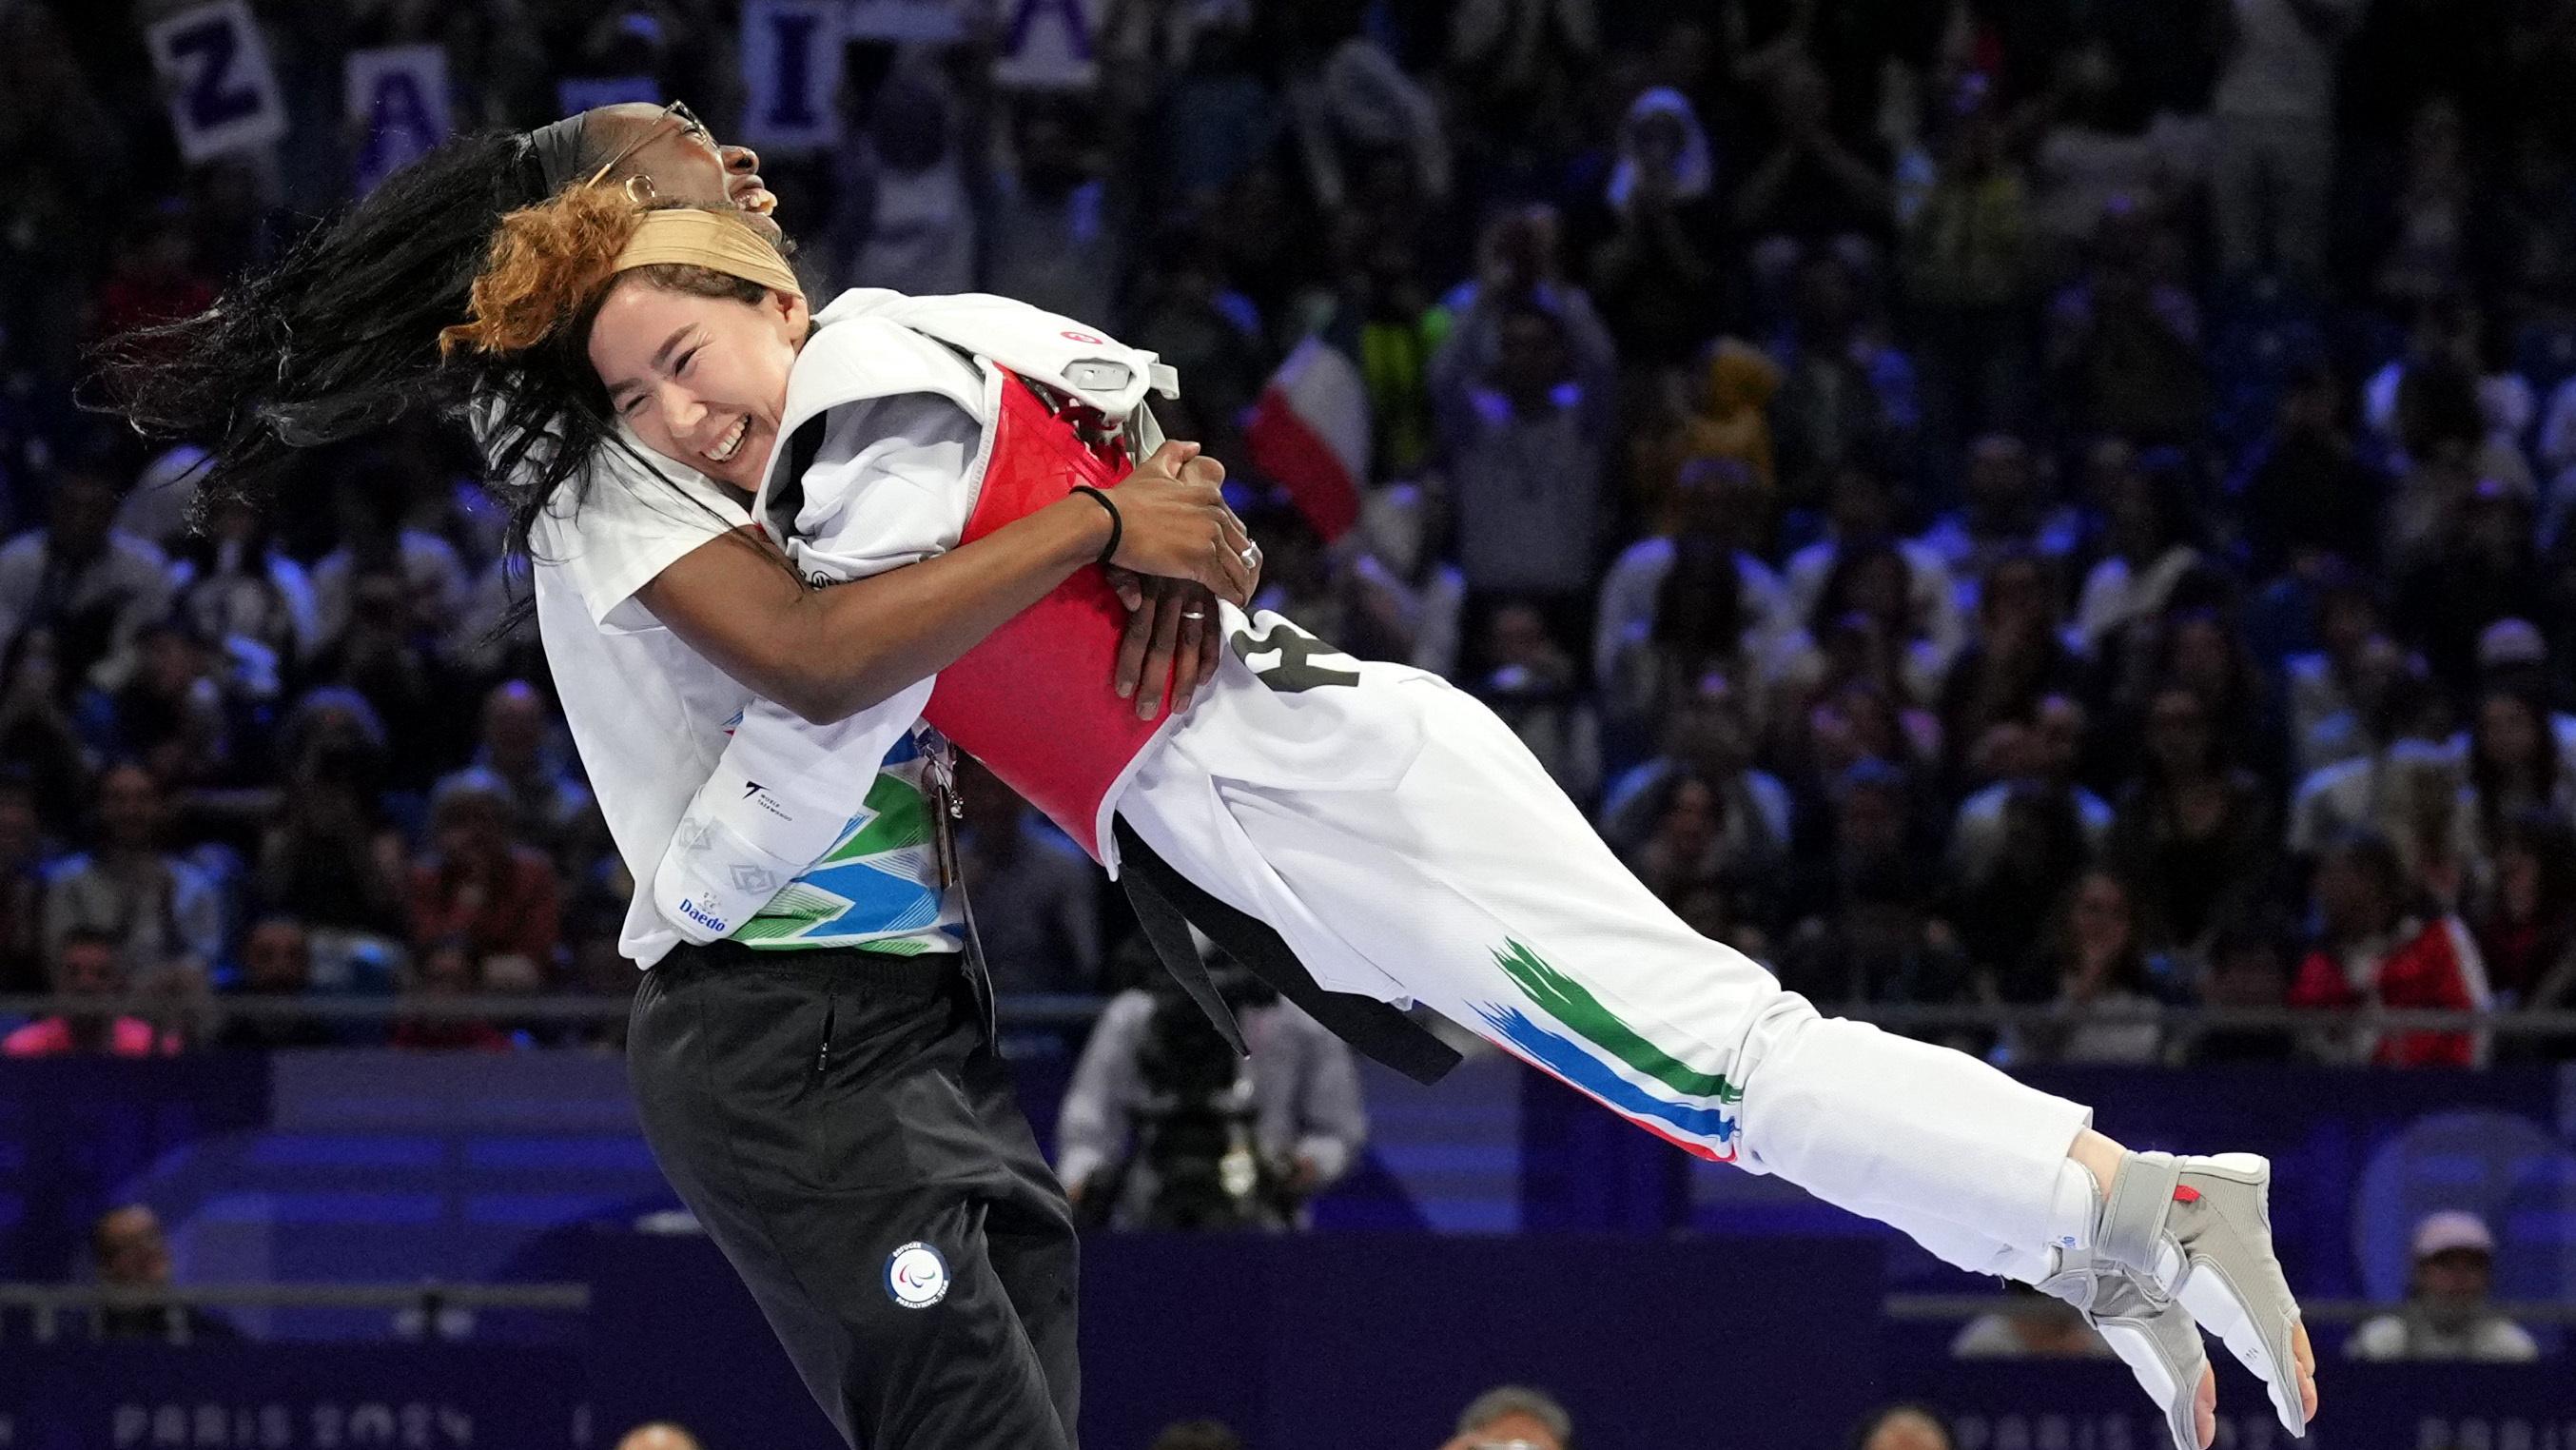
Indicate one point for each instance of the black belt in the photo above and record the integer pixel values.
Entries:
(1168, 904)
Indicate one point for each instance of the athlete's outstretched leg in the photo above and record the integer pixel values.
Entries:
(1477, 888)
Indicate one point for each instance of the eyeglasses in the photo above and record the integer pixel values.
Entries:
(689, 125)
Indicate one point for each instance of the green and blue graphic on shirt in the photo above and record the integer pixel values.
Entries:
(878, 887)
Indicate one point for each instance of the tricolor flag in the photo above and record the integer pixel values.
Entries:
(1310, 432)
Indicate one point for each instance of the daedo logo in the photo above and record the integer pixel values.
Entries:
(690, 910)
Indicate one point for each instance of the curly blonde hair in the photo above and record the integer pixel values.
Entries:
(549, 263)
(552, 264)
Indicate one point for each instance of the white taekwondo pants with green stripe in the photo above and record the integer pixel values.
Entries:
(1405, 843)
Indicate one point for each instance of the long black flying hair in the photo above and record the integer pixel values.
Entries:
(340, 336)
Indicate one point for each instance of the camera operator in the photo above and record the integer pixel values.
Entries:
(1164, 1127)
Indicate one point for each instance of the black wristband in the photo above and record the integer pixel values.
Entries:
(1117, 527)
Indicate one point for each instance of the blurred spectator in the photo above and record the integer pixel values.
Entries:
(1197, 1435)
(1656, 275)
(428, 578)
(170, 714)
(1967, 265)
(86, 969)
(2389, 785)
(1708, 738)
(1055, 236)
(2035, 1326)
(93, 587)
(2104, 983)
(161, 911)
(23, 861)
(1814, 190)
(1732, 424)
(2483, 567)
(277, 965)
(2448, 1315)
(2193, 836)
(1164, 1127)
(2018, 844)
(1526, 448)
(329, 858)
(1037, 903)
(2514, 768)
(2524, 916)
(2152, 545)
(238, 590)
(906, 219)
(1903, 1427)
(2377, 948)
(1514, 1415)
(2275, 134)
(480, 884)
(1847, 392)
(1861, 506)
(1530, 683)
(659, 1435)
(1676, 607)
(2125, 337)
(1864, 628)
(2426, 251)
(1406, 600)
(2018, 658)
(526, 751)
(443, 970)
(2249, 967)
(2336, 688)
(2007, 512)
(1387, 320)
(2303, 485)
(132, 1257)
(1865, 933)
(37, 732)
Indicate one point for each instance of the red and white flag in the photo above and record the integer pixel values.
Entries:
(1310, 432)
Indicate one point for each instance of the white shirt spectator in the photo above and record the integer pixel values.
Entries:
(2490, 1339)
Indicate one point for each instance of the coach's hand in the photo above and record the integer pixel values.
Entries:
(1174, 524)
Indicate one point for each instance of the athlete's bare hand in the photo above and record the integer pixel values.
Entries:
(1171, 634)
(1174, 524)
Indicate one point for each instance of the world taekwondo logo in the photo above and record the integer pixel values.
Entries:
(916, 1276)
(750, 789)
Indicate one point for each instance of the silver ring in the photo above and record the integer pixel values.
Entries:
(1193, 614)
(1251, 556)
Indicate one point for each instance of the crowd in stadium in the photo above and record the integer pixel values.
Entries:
(1988, 502)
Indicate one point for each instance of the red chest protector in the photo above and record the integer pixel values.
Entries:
(1033, 700)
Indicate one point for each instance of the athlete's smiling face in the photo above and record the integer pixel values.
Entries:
(702, 380)
(681, 159)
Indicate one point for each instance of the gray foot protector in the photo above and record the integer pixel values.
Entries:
(2201, 1230)
(2154, 1335)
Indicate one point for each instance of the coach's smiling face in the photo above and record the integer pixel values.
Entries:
(684, 162)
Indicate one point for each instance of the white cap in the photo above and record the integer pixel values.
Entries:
(2451, 1229)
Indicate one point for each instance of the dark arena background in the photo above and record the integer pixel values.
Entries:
(2049, 525)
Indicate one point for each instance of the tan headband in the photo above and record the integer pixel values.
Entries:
(706, 239)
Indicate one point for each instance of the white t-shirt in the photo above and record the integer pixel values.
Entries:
(647, 712)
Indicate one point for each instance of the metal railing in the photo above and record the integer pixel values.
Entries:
(47, 1303)
(1945, 1308)
(1068, 1009)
